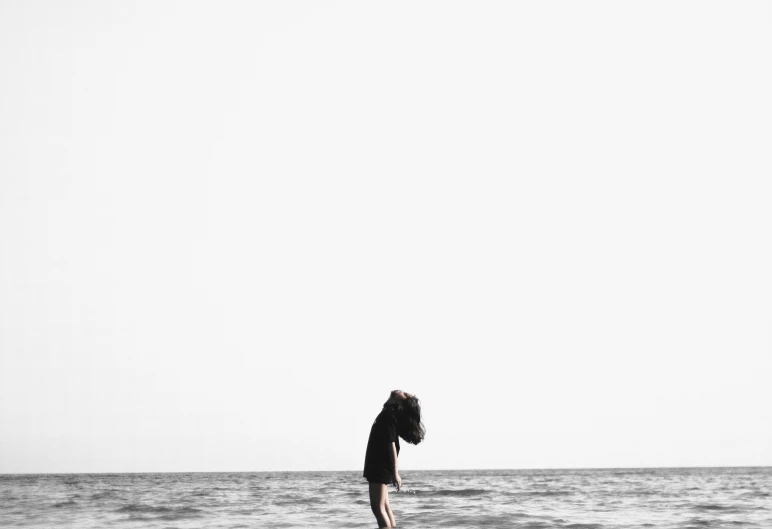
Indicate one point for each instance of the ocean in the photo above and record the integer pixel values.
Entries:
(677, 498)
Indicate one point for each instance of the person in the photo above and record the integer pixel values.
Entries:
(400, 417)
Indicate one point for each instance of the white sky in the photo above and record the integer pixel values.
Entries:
(229, 229)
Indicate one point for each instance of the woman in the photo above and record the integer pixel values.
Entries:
(400, 417)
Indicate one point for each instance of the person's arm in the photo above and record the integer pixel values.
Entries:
(397, 479)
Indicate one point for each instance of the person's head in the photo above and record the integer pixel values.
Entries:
(396, 396)
(407, 408)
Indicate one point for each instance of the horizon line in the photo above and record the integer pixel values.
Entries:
(359, 470)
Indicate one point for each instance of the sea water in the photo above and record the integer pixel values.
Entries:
(695, 498)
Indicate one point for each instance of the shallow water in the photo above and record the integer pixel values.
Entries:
(536, 499)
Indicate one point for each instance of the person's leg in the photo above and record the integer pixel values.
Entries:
(388, 509)
(379, 495)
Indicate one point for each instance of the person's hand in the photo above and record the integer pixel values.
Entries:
(398, 481)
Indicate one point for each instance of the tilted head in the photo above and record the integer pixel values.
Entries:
(407, 409)
(396, 396)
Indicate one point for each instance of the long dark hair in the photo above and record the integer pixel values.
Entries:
(409, 425)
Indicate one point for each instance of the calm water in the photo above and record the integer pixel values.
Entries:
(537, 499)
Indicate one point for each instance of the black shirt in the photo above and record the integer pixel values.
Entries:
(378, 465)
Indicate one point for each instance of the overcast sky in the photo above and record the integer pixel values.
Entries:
(229, 229)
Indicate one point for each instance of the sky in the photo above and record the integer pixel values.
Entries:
(229, 229)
